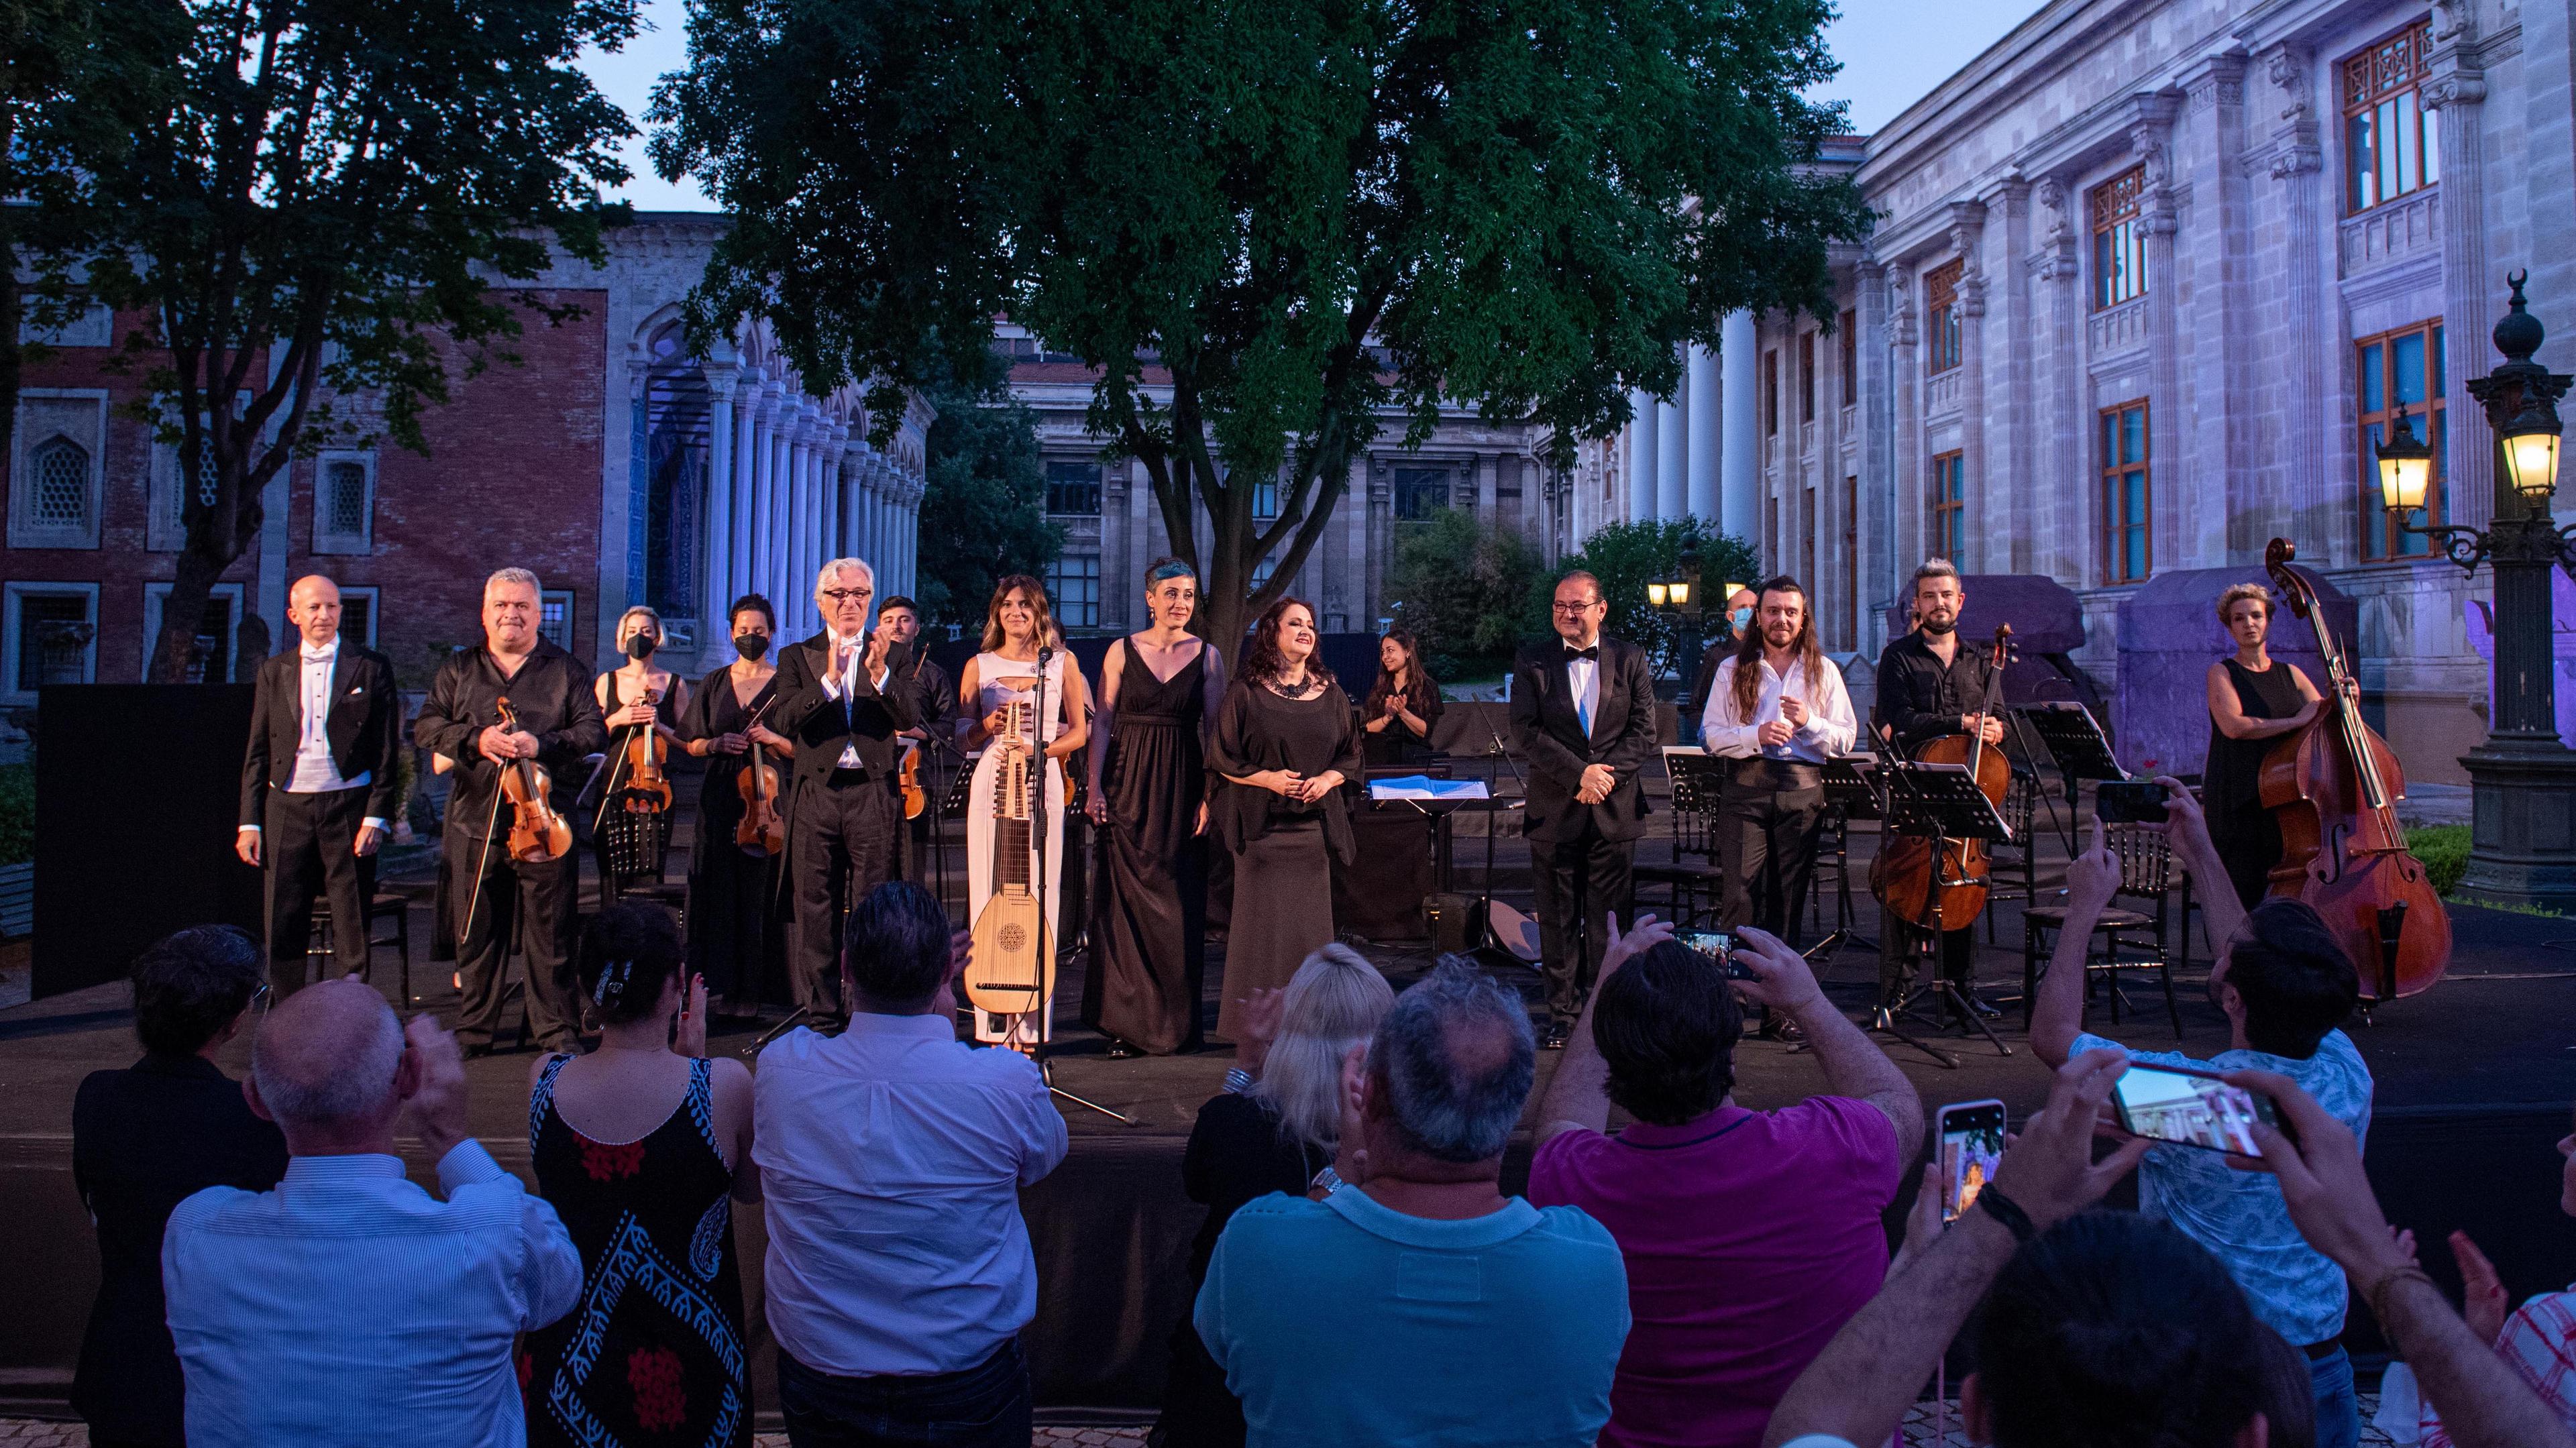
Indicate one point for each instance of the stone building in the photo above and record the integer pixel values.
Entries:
(2148, 279)
(611, 461)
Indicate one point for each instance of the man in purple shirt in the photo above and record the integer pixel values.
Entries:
(1750, 1236)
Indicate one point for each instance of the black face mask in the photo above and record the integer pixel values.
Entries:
(751, 645)
(640, 646)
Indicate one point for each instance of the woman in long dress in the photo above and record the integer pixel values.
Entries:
(2252, 702)
(732, 895)
(1016, 624)
(637, 695)
(1158, 689)
(1285, 742)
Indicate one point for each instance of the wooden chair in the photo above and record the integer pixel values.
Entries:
(2146, 875)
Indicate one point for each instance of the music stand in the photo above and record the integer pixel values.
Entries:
(1848, 785)
(1943, 803)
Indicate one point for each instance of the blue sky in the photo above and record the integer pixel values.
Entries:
(1893, 51)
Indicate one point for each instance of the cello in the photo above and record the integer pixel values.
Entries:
(1901, 875)
(1013, 968)
(2333, 789)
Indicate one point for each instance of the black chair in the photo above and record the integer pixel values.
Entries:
(387, 906)
(1833, 854)
(2013, 867)
(1696, 780)
(2147, 876)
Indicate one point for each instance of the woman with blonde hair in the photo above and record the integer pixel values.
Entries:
(1275, 1129)
(2253, 701)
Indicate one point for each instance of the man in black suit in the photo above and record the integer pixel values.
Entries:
(558, 725)
(317, 795)
(935, 705)
(842, 698)
(1583, 713)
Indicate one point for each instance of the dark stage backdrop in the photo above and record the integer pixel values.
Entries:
(138, 788)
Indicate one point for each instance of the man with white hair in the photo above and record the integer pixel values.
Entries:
(556, 722)
(836, 714)
(349, 1306)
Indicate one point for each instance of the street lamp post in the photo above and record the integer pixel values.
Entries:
(1679, 598)
(2523, 779)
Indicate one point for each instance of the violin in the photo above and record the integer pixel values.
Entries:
(2333, 788)
(1013, 968)
(537, 833)
(647, 788)
(762, 830)
(1901, 876)
(915, 798)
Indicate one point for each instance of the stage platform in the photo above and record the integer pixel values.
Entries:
(2474, 1084)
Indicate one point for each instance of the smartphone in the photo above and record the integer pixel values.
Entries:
(1970, 1137)
(2130, 802)
(1718, 945)
(2190, 1108)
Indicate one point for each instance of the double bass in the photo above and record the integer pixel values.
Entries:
(1901, 876)
(2333, 788)
(1013, 969)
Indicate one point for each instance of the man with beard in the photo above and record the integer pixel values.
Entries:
(1776, 712)
(1732, 627)
(935, 704)
(1929, 686)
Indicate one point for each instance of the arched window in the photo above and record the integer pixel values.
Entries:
(58, 469)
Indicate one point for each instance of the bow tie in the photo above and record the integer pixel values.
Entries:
(1593, 653)
(322, 657)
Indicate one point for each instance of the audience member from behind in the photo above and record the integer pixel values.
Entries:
(2538, 1342)
(2285, 987)
(1751, 1237)
(146, 1138)
(642, 1146)
(1274, 1129)
(891, 1159)
(1418, 1304)
(349, 1304)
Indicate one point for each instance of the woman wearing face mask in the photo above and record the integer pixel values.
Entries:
(730, 893)
(637, 695)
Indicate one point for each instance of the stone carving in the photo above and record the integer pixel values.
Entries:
(2287, 66)
(2455, 19)
(2455, 88)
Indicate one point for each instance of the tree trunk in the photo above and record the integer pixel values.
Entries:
(184, 610)
(12, 357)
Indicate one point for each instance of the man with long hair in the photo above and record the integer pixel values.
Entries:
(1776, 712)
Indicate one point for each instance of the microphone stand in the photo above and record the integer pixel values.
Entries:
(1042, 808)
(1483, 932)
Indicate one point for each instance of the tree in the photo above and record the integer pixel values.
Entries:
(1293, 214)
(1466, 592)
(983, 506)
(46, 52)
(1628, 556)
(313, 195)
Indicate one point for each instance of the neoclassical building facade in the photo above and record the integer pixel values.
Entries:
(2148, 280)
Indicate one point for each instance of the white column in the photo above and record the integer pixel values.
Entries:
(1701, 389)
(782, 503)
(1739, 486)
(760, 577)
(1672, 455)
(746, 453)
(719, 533)
(1642, 454)
(801, 528)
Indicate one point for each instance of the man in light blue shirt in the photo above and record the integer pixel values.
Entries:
(1419, 1305)
(349, 1306)
(2286, 987)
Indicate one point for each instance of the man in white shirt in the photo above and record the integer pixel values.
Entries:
(349, 1306)
(318, 774)
(1778, 711)
(891, 1158)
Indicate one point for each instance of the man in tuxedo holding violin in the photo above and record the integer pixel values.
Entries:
(840, 707)
(557, 725)
(1583, 714)
(317, 793)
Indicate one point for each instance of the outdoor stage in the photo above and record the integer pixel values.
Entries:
(2474, 1084)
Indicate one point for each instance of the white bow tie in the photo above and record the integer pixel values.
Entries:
(324, 657)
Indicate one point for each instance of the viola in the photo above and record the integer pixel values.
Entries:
(537, 832)
(1901, 876)
(647, 788)
(762, 830)
(2333, 788)
(1013, 969)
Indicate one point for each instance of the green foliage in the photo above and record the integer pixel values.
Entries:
(1468, 593)
(1264, 223)
(1628, 556)
(17, 813)
(2444, 849)
(983, 514)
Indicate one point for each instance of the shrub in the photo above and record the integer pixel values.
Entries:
(2444, 849)
(17, 813)
(1470, 593)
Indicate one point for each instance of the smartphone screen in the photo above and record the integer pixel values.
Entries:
(1971, 1136)
(2130, 801)
(1717, 945)
(2189, 1108)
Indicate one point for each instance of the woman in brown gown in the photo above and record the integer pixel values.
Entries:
(2253, 701)
(1285, 742)
(1148, 954)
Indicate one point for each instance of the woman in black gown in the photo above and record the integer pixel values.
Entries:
(629, 842)
(1285, 742)
(1148, 958)
(1403, 708)
(642, 1147)
(2253, 701)
(731, 894)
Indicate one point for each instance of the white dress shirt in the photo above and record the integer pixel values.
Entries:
(891, 1160)
(841, 683)
(1830, 728)
(349, 1306)
(1583, 676)
(315, 771)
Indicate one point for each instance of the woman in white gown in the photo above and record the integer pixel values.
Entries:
(1016, 625)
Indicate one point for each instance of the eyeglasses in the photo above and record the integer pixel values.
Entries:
(1575, 610)
(845, 595)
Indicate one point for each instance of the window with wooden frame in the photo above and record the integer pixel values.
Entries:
(1941, 305)
(2400, 374)
(1806, 376)
(2392, 144)
(1849, 327)
(1771, 392)
(2119, 244)
(2128, 495)
(1949, 504)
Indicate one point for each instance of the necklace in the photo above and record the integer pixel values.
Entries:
(1298, 690)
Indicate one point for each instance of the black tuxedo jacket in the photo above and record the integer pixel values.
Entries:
(365, 726)
(817, 722)
(1549, 734)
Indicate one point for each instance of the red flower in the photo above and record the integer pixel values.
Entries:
(661, 1403)
(604, 1161)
